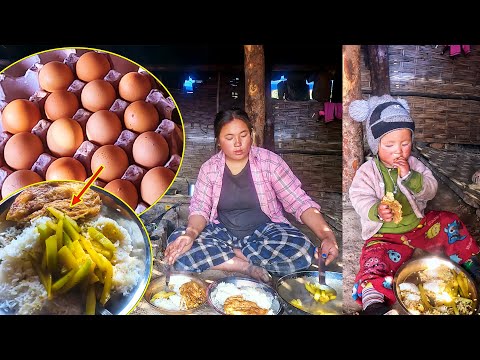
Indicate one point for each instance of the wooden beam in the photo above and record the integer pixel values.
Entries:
(226, 67)
(255, 89)
(352, 131)
(378, 65)
(430, 95)
(194, 68)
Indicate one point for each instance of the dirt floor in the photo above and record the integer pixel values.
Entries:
(446, 199)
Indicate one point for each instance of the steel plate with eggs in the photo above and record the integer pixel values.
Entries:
(67, 111)
(94, 257)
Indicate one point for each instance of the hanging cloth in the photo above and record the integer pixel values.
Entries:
(456, 50)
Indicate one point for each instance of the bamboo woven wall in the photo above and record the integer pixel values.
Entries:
(423, 69)
(299, 128)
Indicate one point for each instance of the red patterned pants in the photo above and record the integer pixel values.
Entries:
(439, 232)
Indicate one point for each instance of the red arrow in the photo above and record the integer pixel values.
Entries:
(77, 198)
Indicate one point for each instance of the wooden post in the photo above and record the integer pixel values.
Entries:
(255, 89)
(379, 69)
(269, 135)
(352, 131)
(218, 91)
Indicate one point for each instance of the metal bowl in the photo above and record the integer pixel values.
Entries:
(429, 262)
(243, 282)
(158, 284)
(116, 209)
(292, 286)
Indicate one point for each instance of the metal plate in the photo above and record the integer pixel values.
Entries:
(239, 281)
(292, 286)
(114, 208)
(425, 262)
(158, 285)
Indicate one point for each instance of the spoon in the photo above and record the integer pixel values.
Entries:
(321, 275)
(167, 276)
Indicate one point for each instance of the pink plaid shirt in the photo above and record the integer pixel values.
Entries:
(275, 183)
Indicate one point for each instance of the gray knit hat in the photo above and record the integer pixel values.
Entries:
(383, 114)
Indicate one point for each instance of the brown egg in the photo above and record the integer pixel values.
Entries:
(64, 137)
(141, 116)
(113, 158)
(22, 150)
(134, 86)
(20, 115)
(103, 127)
(19, 179)
(154, 183)
(125, 190)
(60, 104)
(55, 76)
(150, 149)
(98, 95)
(66, 168)
(92, 66)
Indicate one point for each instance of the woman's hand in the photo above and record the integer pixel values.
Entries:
(315, 221)
(384, 212)
(328, 248)
(178, 247)
(402, 165)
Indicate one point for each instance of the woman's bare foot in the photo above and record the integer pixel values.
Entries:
(237, 264)
(258, 273)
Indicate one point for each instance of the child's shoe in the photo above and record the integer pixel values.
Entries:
(472, 266)
(379, 308)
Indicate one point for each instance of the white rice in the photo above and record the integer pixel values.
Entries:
(128, 269)
(409, 287)
(224, 290)
(21, 291)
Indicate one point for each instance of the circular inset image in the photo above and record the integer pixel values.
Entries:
(92, 258)
(97, 108)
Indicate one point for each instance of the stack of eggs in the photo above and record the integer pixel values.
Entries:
(85, 114)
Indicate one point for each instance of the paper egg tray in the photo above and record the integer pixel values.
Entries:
(20, 81)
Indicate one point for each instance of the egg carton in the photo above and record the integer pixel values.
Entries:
(21, 81)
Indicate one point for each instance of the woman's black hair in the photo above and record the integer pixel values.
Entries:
(225, 116)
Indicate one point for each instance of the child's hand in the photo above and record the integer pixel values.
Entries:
(384, 212)
(402, 165)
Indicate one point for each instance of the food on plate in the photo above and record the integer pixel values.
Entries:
(319, 294)
(297, 303)
(62, 260)
(193, 294)
(242, 300)
(34, 201)
(437, 291)
(394, 205)
(185, 294)
(238, 305)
